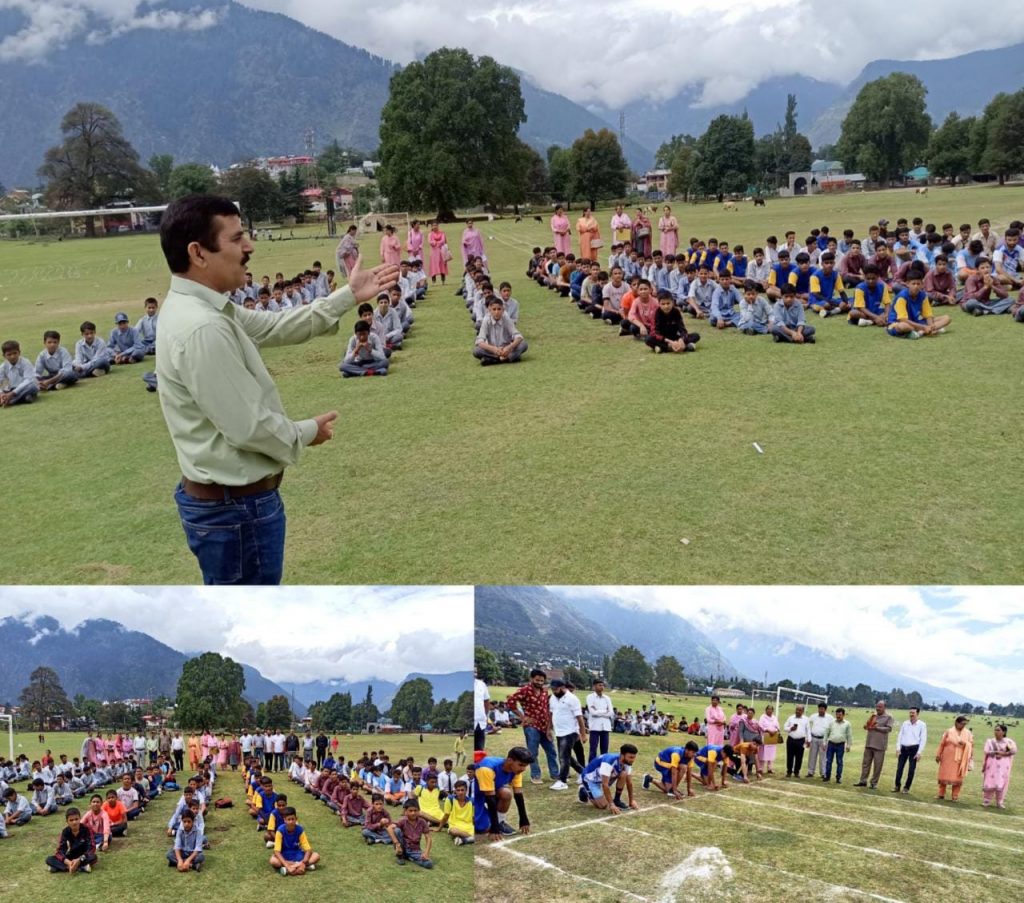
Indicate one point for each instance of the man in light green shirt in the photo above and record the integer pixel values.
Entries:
(838, 740)
(230, 432)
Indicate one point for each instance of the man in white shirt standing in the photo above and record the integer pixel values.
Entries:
(568, 727)
(797, 730)
(818, 726)
(481, 702)
(600, 712)
(910, 744)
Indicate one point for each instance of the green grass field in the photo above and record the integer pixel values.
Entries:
(590, 429)
(236, 868)
(762, 842)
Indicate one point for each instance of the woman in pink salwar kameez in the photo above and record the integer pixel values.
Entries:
(472, 243)
(589, 232)
(439, 253)
(715, 716)
(414, 241)
(390, 247)
(622, 226)
(995, 772)
(668, 226)
(561, 231)
(769, 725)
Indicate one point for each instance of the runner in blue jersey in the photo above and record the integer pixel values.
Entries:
(604, 772)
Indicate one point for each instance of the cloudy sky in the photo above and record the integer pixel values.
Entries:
(294, 634)
(970, 639)
(614, 54)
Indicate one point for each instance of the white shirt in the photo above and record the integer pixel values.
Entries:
(480, 696)
(913, 735)
(818, 725)
(564, 711)
(601, 712)
(802, 727)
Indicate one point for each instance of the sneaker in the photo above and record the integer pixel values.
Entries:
(536, 781)
(311, 867)
(400, 860)
(646, 782)
(506, 828)
(914, 334)
(872, 787)
(487, 361)
(690, 346)
(839, 780)
(87, 868)
(941, 331)
(270, 844)
(283, 870)
(559, 785)
(657, 349)
(369, 841)
(864, 323)
(977, 313)
(458, 841)
(583, 798)
(618, 802)
(823, 313)
(825, 779)
(52, 870)
(905, 790)
(861, 784)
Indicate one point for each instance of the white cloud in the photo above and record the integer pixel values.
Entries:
(293, 634)
(53, 24)
(973, 643)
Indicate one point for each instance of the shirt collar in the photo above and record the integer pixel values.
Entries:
(184, 286)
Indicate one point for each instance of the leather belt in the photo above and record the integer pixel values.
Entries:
(217, 492)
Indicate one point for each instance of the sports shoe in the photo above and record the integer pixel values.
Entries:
(914, 334)
(87, 868)
(270, 844)
(583, 795)
(506, 828)
(657, 349)
(401, 860)
(198, 867)
(559, 785)
(283, 870)
(690, 346)
(646, 782)
(895, 789)
(618, 802)
(905, 790)
(864, 323)
(458, 841)
(941, 331)
(823, 313)
(861, 784)
(536, 781)
(311, 867)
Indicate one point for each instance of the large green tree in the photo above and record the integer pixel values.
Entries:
(629, 669)
(413, 703)
(486, 664)
(510, 184)
(726, 152)
(333, 715)
(278, 713)
(190, 178)
(44, 697)
(255, 191)
(599, 169)
(446, 128)
(668, 674)
(443, 715)
(93, 165)
(560, 173)
(162, 165)
(668, 150)
(464, 712)
(1001, 136)
(886, 131)
(366, 711)
(683, 170)
(949, 150)
(210, 692)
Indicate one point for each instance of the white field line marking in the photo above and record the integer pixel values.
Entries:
(703, 864)
(851, 846)
(486, 863)
(953, 822)
(544, 864)
(772, 868)
(873, 824)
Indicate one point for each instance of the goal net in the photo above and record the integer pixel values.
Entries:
(776, 695)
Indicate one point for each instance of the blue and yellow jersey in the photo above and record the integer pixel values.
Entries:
(779, 275)
(824, 285)
(671, 757)
(724, 259)
(610, 765)
(291, 845)
(707, 756)
(801, 280)
(875, 299)
(491, 776)
(738, 267)
(916, 309)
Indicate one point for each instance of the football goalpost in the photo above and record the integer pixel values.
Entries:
(798, 696)
(10, 735)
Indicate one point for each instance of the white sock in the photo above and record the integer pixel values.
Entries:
(502, 818)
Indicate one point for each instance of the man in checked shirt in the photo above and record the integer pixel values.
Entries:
(532, 704)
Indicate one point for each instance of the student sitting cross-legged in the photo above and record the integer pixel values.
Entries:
(187, 852)
(787, 323)
(125, 343)
(18, 381)
(910, 316)
(92, 357)
(498, 341)
(55, 368)
(871, 300)
(293, 854)
(406, 834)
(723, 303)
(984, 293)
(76, 847)
(755, 311)
(375, 830)
(364, 355)
(669, 332)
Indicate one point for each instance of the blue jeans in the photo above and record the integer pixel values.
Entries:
(535, 740)
(834, 751)
(235, 540)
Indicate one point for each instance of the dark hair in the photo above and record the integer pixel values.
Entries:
(536, 672)
(871, 270)
(288, 810)
(187, 813)
(1012, 233)
(691, 745)
(627, 748)
(10, 345)
(984, 222)
(520, 754)
(365, 308)
(840, 709)
(264, 292)
(360, 326)
(191, 219)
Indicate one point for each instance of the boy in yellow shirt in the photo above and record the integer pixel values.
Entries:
(458, 815)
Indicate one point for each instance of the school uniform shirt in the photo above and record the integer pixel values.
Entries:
(738, 266)
(756, 313)
(873, 299)
(146, 327)
(824, 287)
(18, 376)
(939, 283)
(498, 333)
(126, 341)
(791, 317)
(412, 830)
(990, 243)
(210, 349)
(780, 274)
(58, 364)
(373, 353)
(702, 293)
(801, 280)
(724, 300)
(917, 308)
(187, 842)
(759, 272)
(446, 781)
(43, 798)
(512, 309)
(63, 794)
(390, 324)
(19, 807)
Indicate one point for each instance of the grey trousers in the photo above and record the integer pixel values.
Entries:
(816, 757)
(995, 306)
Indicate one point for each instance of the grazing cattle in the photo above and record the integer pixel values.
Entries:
(519, 219)
(730, 205)
(923, 190)
(538, 219)
(758, 202)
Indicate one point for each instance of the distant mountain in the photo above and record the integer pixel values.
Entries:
(446, 686)
(652, 124)
(783, 658)
(537, 624)
(656, 633)
(248, 86)
(133, 664)
(963, 84)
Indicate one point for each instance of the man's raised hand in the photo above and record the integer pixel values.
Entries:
(366, 284)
